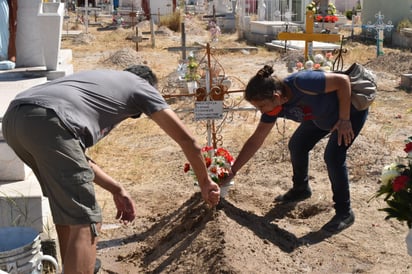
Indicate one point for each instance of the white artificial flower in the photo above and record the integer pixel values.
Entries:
(319, 58)
(309, 64)
(388, 175)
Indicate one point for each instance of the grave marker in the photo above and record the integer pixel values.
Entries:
(309, 36)
(379, 26)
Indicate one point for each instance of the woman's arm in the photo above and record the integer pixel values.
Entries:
(173, 126)
(341, 84)
(252, 145)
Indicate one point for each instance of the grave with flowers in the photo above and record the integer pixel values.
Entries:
(212, 103)
(309, 36)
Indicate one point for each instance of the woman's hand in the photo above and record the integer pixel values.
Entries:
(345, 132)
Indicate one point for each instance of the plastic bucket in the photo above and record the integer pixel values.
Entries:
(20, 251)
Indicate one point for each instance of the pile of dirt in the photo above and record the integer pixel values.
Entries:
(395, 62)
(124, 57)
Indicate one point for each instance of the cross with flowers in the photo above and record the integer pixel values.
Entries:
(211, 96)
(309, 36)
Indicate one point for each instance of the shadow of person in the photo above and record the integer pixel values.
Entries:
(281, 210)
(186, 209)
(261, 226)
(171, 235)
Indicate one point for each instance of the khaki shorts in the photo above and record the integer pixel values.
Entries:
(57, 159)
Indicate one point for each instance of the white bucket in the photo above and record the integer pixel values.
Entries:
(20, 251)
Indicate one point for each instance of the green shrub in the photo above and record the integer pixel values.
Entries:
(348, 14)
(404, 23)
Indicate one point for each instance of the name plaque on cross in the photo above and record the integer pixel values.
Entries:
(208, 110)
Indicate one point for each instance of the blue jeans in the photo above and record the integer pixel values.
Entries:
(301, 143)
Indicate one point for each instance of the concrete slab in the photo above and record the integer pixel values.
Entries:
(22, 204)
(271, 27)
(300, 45)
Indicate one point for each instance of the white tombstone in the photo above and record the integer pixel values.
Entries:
(38, 37)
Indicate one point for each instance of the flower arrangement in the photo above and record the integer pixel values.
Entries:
(396, 187)
(326, 19)
(218, 162)
(191, 73)
(318, 62)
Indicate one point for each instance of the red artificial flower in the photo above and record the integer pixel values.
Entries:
(318, 18)
(223, 152)
(408, 147)
(222, 174)
(207, 148)
(400, 183)
(331, 18)
(208, 161)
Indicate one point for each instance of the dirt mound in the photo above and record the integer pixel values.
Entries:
(395, 62)
(124, 58)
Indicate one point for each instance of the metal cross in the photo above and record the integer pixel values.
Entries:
(380, 27)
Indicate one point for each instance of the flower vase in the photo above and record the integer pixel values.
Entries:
(225, 188)
(409, 242)
(191, 87)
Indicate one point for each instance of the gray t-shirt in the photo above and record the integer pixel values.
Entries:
(92, 103)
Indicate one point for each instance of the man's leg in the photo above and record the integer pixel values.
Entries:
(77, 248)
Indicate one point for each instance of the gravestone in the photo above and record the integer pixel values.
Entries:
(21, 200)
(39, 58)
(38, 37)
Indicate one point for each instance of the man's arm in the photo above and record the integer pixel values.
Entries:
(173, 126)
(126, 209)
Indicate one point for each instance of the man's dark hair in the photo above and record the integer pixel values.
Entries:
(144, 72)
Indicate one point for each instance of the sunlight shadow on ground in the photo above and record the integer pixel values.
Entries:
(264, 229)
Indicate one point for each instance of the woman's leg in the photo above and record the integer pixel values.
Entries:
(306, 136)
(302, 141)
(335, 159)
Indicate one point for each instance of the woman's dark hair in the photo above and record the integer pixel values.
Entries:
(144, 72)
(263, 85)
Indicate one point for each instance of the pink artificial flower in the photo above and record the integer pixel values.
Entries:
(328, 55)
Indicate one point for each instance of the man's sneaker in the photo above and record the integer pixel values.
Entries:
(339, 222)
(294, 195)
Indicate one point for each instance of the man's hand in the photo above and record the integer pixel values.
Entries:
(210, 193)
(126, 209)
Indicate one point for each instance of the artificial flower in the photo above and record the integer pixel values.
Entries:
(396, 186)
(218, 163)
